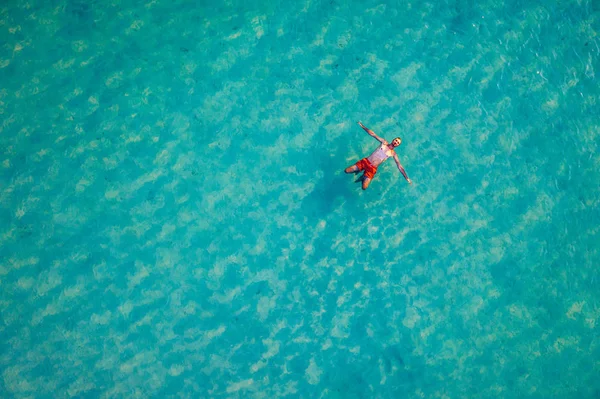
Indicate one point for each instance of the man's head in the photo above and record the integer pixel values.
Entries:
(397, 141)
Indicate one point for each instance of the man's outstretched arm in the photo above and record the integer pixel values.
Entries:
(401, 169)
(372, 133)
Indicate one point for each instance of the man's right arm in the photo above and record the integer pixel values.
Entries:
(372, 133)
(401, 169)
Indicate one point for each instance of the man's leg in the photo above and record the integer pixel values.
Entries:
(366, 182)
(369, 175)
(352, 169)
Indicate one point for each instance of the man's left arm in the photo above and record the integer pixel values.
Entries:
(401, 169)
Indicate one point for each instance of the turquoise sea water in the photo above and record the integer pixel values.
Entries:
(175, 221)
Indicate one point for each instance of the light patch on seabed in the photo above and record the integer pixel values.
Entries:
(340, 325)
(302, 339)
(140, 274)
(563, 343)
(522, 313)
(50, 310)
(313, 372)
(264, 306)
(471, 309)
(344, 39)
(327, 344)
(406, 76)
(137, 361)
(257, 25)
(176, 370)
(227, 297)
(84, 183)
(209, 335)
(349, 90)
(592, 316)
(15, 383)
(304, 140)
(216, 362)
(47, 281)
(412, 317)
(82, 384)
(536, 213)
(134, 186)
(575, 309)
(102, 319)
(320, 38)
(112, 193)
(242, 385)
(551, 104)
(324, 67)
(344, 298)
(115, 80)
(380, 67)
(24, 283)
(335, 130)
(135, 26)
(16, 264)
(234, 35)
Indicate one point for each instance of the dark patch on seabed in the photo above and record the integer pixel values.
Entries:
(464, 15)
(332, 190)
(79, 16)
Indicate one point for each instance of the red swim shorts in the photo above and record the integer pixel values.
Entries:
(369, 169)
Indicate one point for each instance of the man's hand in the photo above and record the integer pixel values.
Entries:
(409, 181)
(360, 124)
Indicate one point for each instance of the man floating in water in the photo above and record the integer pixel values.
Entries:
(370, 164)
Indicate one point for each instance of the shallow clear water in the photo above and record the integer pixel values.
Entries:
(175, 220)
